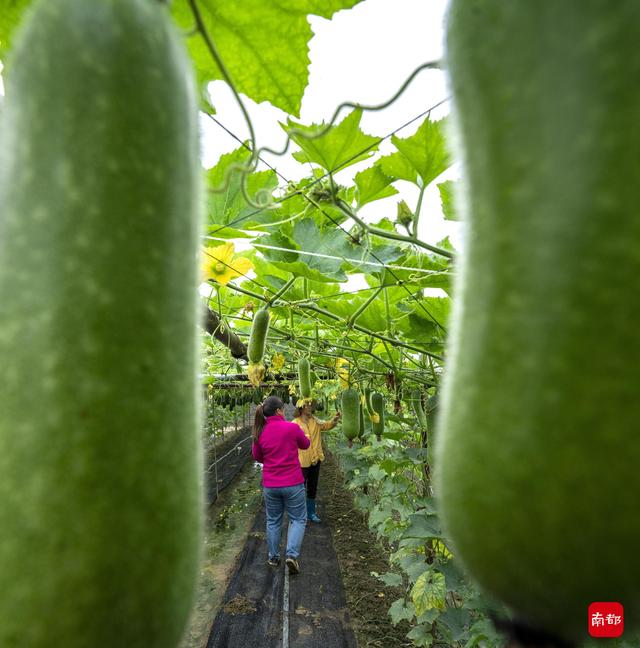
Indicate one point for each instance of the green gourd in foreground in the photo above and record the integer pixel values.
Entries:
(538, 454)
(99, 418)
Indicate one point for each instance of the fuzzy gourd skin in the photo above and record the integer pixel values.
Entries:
(377, 404)
(351, 413)
(304, 375)
(538, 453)
(100, 457)
(257, 343)
(361, 426)
(416, 404)
(258, 337)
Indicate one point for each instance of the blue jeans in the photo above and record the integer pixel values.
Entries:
(291, 499)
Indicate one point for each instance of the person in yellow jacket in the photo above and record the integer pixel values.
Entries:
(312, 457)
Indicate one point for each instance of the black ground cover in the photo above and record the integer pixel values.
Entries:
(251, 612)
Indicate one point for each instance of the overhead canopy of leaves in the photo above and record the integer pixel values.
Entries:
(263, 45)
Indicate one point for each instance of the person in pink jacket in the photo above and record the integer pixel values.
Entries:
(275, 445)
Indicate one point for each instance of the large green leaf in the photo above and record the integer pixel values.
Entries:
(373, 184)
(333, 243)
(426, 151)
(428, 319)
(341, 146)
(401, 611)
(429, 592)
(423, 525)
(303, 249)
(396, 166)
(421, 636)
(373, 318)
(263, 45)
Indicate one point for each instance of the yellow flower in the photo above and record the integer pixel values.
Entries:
(218, 264)
(277, 361)
(255, 372)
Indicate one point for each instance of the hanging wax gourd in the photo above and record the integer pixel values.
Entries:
(373, 415)
(304, 379)
(377, 404)
(256, 347)
(416, 403)
(350, 413)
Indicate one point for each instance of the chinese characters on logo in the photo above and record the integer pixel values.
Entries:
(606, 619)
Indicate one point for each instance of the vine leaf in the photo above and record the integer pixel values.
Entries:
(401, 611)
(330, 241)
(341, 146)
(429, 592)
(422, 156)
(229, 205)
(264, 45)
(397, 166)
(423, 526)
(390, 579)
(426, 150)
(421, 635)
(306, 236)
(373, 184)
(372, 318)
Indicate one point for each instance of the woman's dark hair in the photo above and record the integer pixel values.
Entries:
(268, 408)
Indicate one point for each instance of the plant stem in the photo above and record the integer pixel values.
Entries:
(394, 236)
(282, 290)
(416, 216)
(351, 321)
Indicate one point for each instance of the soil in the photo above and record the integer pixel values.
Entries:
(240, 605)
(359, 554)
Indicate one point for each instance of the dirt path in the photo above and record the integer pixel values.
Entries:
(334, 602)
(265, 607)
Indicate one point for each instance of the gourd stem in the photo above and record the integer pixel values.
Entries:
(351, 321)
(282, 291)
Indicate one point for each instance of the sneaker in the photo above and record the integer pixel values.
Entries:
(292, 564)
(273, 562)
